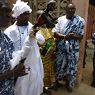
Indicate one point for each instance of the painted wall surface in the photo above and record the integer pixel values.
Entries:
(82, 10)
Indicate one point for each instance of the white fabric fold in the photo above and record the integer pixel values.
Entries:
(20, 7)
(18, 55)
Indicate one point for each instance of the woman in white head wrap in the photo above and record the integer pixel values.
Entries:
(21, 28)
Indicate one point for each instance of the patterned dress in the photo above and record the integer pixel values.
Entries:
(6, 49)
(67, 52)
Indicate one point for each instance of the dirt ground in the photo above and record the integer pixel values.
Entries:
(87, 71)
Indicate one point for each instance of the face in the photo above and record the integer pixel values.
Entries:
(70, 11)
(24, 18)
(51, 6)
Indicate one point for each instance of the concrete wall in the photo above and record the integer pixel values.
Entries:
(82, 10)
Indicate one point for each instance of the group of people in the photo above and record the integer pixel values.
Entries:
(21, 66)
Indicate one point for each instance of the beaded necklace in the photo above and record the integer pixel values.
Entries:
(20, 43)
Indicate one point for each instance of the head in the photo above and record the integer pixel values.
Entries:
(5, 16)
(23, 18)
(70, 10)
(51, 5)
(21, 12)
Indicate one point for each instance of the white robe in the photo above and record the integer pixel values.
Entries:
(18, 34)
(31, 84)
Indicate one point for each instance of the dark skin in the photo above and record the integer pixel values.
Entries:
(46, 14)
(70, 11)
(48, 20)
(23, 19)
(18, 71)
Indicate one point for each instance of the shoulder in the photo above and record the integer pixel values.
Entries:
(10, 28)
(80, 18)
(11, 31)
(62, 18)
(30, 24)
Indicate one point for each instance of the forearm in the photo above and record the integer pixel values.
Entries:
(75, 37)
(7, 75)
(59, 36)
(18, 71)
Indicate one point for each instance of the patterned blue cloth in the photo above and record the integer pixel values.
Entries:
(93, 38)
(6, 50)
(67, 52)
(93, 42)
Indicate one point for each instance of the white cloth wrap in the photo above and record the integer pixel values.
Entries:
(18, 55)
(20, 7)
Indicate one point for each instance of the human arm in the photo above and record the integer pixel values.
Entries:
(77, 30)
(57, 32)
(59, 35)
(73, 36)
(54, 20)
(19, 70)
(48, 21)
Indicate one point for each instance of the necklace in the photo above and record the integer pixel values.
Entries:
(20, 35)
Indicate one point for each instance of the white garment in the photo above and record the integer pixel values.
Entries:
(40, 38)
(60, 26)
(31, 84)
(18, 34)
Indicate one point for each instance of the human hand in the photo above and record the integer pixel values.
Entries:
(70, 36)
(19, 70)
(34, 31)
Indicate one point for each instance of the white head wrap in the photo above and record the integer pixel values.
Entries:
(20, 7)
